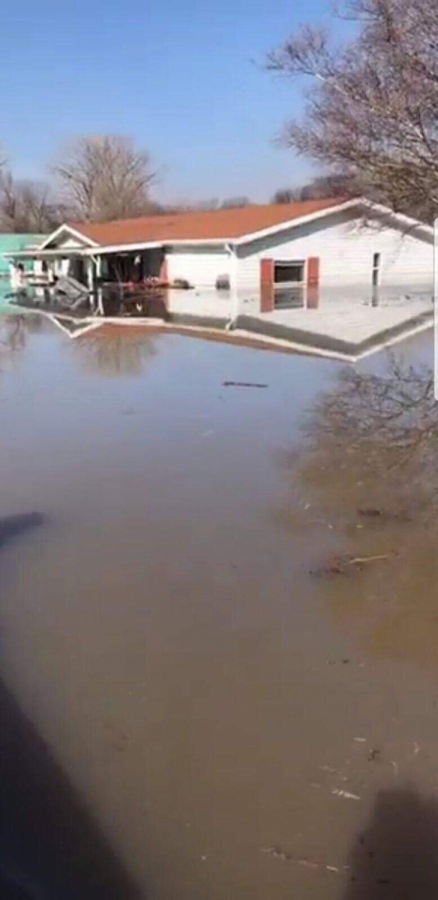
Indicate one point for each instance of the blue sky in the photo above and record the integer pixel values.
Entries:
(183, 77)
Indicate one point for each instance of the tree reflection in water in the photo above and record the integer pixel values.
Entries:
(367, 476)
(114, 351)
(14, 331)
(380, 433)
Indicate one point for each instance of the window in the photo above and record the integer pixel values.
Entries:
(289, 273)
(223, 283)
(289, 280)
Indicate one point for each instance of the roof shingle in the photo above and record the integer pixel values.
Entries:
(222, 224)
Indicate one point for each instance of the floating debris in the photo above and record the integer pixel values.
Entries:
(361, 560)
(345, 794)
(342, 565)
(277, 853)
(287, 857)
(248, 384)
(373, 755)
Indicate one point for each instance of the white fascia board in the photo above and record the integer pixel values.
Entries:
(407, 223)
(46, 254)
(151, 245)
(295, 223)
(100, 249)
(19, 254)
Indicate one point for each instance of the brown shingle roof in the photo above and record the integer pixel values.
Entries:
(219, 224)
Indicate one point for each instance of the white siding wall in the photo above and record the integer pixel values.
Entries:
(201, 267)
(346, 249)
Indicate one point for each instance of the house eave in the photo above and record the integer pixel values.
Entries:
(102, 249)
(73, 232)
(46, 254)
(406, 223)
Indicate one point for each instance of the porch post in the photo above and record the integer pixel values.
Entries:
(234, 263)
(164, 269)
(91, 274)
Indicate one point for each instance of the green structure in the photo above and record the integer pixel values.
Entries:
(10, 242)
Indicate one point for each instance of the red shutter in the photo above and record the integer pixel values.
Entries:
(266, 285)
(313, 282)
(313, 271)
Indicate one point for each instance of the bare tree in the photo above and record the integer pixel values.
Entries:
(37, 207)
(372, 110)
(208, 205)
(8, 202)
(327, 186)
(235, 202)
(105, 177)
(319, 188)
(286, 195)
(27, 206)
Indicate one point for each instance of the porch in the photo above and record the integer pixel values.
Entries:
(93, 268)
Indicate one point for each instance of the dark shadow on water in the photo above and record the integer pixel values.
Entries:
(396, 856)
(50, 847)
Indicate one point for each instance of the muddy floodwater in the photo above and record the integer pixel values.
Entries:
(219, 634)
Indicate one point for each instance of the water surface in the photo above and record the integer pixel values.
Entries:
(201, 690)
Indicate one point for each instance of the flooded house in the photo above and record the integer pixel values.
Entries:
(265, 250)
(258, 268)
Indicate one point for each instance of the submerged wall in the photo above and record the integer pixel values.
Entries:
(201, 266)
(345, 246)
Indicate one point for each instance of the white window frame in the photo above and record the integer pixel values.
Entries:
(281, 285)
